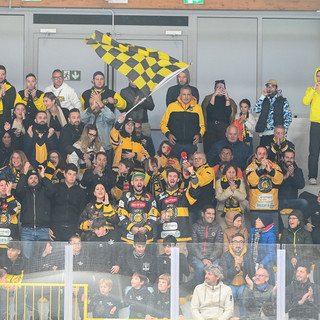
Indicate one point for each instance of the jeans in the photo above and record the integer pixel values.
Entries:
(237, 292)
(28, 235)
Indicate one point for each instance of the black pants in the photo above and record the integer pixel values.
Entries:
(314, 150)
(266, 140)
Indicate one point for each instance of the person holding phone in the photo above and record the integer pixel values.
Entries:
(219, 112)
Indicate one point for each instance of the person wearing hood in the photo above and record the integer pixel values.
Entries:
(7, 97)
(219, 112)
(234, 222)
(183, 123)
(132, 94)
(212, 299)
(294, 236)
(67, 95)
(262, 244)
(237, 264)
(312, 98)
(274, 110)
(183, 79)
(207, 243)
(34, 195)
(126, 145)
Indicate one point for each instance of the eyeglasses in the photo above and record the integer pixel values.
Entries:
(270, 86)
(260, 275)
(238, 242)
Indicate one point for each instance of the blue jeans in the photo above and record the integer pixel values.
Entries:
(198, 267)
(237, 292)
(28, 235)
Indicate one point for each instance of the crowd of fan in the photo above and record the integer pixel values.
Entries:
(71, 172)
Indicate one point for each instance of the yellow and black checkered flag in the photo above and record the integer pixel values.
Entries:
(147, 68)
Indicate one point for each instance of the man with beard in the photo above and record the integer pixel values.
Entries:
(183, 79)
(274, 110)
(132, 94)
(302, 296)
(264, 178)
(173, 205)
(103, 117)
(237, 263)
(293, 180)
(7, 97)
(31, 97)
(137, 210)
(146, 141)
(102, 95)
(70, 133)
(39, 140)
(207, 243)
(67, 96)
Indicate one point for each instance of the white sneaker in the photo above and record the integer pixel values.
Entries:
(312, 181)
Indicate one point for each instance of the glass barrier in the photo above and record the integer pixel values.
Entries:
(99, 280)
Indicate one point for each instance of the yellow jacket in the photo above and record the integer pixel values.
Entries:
(312, 97)
(184, 121)
(122, 144)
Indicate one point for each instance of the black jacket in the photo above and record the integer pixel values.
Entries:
(290, 186)
(69, 135)
(229, 270)
(67, 204)
(35, 202)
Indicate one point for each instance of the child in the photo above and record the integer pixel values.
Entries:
(105, 252)
(164, 260)
(138, 260)
(138, 297)
(103, 304)
(246, 123)
(234, 220)
(155, 177)
(167, 157)
(159, 307)
(123, 180)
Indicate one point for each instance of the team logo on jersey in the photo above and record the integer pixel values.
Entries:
(138, 204)
(146, 266)
(5, 218)
(265, 184)
(138, 217)
(170, 214)
(170, 200)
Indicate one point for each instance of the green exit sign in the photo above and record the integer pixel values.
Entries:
(193, 1)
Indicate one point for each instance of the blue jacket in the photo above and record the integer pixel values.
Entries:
(241, 153)
(266, 252)
(104, 124)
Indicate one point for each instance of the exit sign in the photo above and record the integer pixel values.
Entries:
(193, 1)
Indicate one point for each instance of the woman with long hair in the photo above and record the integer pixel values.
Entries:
(97, 208)
(55, 114)
(126, 145)
(166, 156)
(86, 149)
(55, 167)
(13, 170)
(230, 193)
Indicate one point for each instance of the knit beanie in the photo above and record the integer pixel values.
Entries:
(266, 218)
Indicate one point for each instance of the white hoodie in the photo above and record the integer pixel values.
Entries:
(67, 96)
(212, 302)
